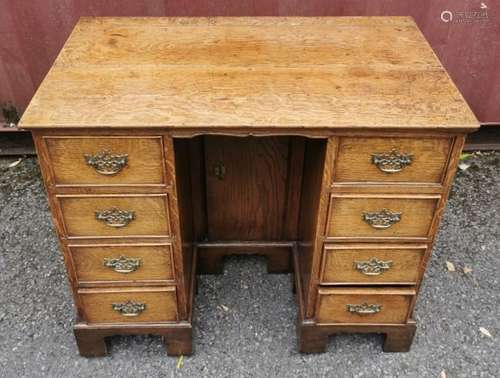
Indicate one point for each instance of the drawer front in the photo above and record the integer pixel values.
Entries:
(371, 264)
(375, 306)
(391, 159)
(122, 263)
(128, 305)
(115, 216)
(106, 160)
(376, 217)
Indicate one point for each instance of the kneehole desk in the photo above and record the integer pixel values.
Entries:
(326, 144)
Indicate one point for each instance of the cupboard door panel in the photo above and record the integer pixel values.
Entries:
(246, 187)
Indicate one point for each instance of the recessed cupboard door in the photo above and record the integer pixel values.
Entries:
(246, 182)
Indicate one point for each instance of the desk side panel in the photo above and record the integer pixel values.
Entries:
(313, 209)
(184, 190)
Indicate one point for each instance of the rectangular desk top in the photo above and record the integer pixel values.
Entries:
(219, 73)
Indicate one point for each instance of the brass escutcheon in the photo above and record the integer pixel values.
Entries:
(391, 162)
(372, 267)
(364, 308)
(381, 219)
(123, 264)
(220, 171)
(129, 308)
(115, 217)
(106, 163)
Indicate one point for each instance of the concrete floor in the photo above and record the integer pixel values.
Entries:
(244, 319)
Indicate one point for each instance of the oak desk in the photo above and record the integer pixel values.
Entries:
(327, 144)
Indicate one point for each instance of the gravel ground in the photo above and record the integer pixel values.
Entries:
(244, 319)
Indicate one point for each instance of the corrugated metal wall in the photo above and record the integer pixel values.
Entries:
(467, 41)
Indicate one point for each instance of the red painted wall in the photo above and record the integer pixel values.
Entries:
(33, 31)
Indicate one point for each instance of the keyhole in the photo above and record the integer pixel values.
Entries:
(220, 171)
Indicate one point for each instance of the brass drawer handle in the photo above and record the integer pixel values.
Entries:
(392, 162)
(372, 267)
(123, 264)
(106, 163)
(115, 217)
(381, 219)
(364, 309)
(129, 308)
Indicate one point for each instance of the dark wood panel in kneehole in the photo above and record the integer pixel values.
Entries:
(246, 187)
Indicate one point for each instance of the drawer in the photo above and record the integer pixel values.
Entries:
(122, 263)
(115, 215)
(420, 160)
(369, 306)
(371, 264)
(106, 160)
(133, 305)
(380, 216)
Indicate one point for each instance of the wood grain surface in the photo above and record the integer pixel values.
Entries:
(395, 305)
(345, 216)
(151, 215)
(339, 263)
(155, 263)
(233, 72)
(354, 159)
(33, 33)
(314, 209)
(160, 304)
(248, 203)
(144, 160)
